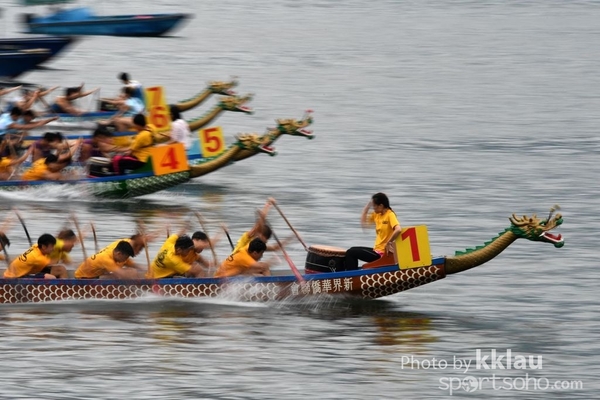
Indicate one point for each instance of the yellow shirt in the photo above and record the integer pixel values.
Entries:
(99, 264)
(30, 262)
(58, 254)
(142, 143)
(109, 249)
(5, 165)
(167, 263)
(384, 227)
(243, 242)
(36, 171)
(236, 264)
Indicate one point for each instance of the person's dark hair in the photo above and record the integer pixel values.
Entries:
(199, 235)
(16, 111)
(4, 240)
(66, 234)
(29, 113)
(175, 113)
(257, 245)
(381, 199)
(46, 239)
(266, 231)
(71, 90)
(139, 120)
(124, 76)
(184, 243)
(58, 137)
(52, 158)
(49, 136)
(129, 91)
(125, 248)
(102, 130)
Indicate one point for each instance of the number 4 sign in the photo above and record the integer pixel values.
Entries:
(168, 159)
(412, 247)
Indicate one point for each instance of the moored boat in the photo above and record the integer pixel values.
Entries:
(381, 278)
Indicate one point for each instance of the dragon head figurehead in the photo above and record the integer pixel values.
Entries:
(538, 230)
(222, 87)
(296, 127)
(254, 142)
(236, 103)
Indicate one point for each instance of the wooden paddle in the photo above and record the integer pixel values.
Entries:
(212, 249)
(287, 257)
(23, 225)
(290, 225)
(228, 237)
(142, 231)
(95, 237)
(76, 222)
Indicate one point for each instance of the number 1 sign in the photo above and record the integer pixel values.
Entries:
(412, 247)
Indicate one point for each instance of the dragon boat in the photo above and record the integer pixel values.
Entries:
(89, 120)
(378, 279)
(169, 166)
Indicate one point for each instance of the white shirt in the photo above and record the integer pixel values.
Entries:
(180, 132)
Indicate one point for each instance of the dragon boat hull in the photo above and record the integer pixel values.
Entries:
(113, 187)
(366, 284)
(384, 277)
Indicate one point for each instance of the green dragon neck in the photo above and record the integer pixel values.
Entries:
(471, 258)
(215, 164)
(194, 101)
(206, 119)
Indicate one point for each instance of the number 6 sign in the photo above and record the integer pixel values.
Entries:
(158, 113)
(412, 247)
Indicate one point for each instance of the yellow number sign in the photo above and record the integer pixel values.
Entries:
(212, 141)
(169, 159)
(412, 247)
(158, 112)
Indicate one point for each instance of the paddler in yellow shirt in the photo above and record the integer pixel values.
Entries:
(260, 230)
(172, 258)
(65, 241)
(138, 152)
(49, 168)
(246, 262)
(107, 263)
(35, 263)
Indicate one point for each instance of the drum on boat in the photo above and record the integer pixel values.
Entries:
(322, 259)
(100, 166)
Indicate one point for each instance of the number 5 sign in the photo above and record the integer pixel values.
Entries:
(412, 247)
(211, 141)
(158, 113)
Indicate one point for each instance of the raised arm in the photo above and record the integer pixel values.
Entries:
(10, 90)
(364, 216)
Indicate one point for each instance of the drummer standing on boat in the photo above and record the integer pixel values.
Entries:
(36, 263)
(387, 229)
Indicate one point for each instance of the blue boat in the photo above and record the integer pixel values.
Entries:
(54, 44)
(82, 21)
(15, 63)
